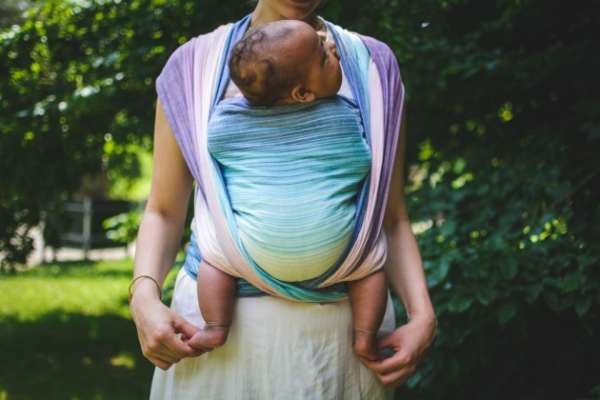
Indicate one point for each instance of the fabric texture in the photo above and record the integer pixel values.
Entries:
(290, 175)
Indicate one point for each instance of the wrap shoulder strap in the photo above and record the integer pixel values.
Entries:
(175, 86)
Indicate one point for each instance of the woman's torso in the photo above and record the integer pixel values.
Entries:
(276, 348)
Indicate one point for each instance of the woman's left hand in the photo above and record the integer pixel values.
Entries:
(409, 343)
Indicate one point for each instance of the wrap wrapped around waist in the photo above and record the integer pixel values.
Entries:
(193, 259)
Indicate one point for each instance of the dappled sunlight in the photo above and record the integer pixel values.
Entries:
(36, 297)
(462, 180)
(421, 226)
(84, 288)
(505, 112)
(416, 175)
(124, 360)
(86, 361)
(551, 229)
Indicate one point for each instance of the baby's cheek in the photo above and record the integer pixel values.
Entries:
(339, 79)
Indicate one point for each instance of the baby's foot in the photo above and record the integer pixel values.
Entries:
(210, 337)
(364, 344)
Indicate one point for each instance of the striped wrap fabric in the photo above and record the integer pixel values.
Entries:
(288, 181)
(190, 88)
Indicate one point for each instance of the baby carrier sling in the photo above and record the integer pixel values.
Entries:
(191, 84)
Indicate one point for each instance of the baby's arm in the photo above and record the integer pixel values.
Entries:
(368, 297)
(216, 296)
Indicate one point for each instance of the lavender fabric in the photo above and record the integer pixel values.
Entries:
(393, 104)
(175, 91)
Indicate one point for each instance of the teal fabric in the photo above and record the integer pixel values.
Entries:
(291, 176)
(355, 64)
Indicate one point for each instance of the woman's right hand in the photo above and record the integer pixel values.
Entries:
(162, 333)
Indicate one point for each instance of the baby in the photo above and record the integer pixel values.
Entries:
(280, 63)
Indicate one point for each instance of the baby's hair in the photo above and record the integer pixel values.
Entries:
(255, 73)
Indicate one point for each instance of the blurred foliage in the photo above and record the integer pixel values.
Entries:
(135, 185)
(503, 188)
(503, 178)
(124, 227)
(11, 11)
(78, 85)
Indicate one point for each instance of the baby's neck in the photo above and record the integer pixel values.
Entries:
(264, 14)
(285, 102)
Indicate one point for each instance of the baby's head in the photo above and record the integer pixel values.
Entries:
(285, 62)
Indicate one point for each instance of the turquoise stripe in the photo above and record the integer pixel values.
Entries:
(292, 174)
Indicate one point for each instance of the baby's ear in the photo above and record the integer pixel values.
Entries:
(301, 95)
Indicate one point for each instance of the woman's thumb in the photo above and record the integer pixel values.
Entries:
(387, 341)
(184, 327)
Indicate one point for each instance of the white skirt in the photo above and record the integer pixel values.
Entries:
(276, 349)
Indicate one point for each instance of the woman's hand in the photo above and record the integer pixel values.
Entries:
(161, 332)
(409, 343)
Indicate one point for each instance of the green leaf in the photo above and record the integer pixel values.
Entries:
(459, 302)
(582, 307)
(506, 313)
(509, 268)
(552, 301)
(570, 282)
(448, 228)
(437, 272)
(534, 292)
(486, 296)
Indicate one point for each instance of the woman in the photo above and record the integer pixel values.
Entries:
(276, 349)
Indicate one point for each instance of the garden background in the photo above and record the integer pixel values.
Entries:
(503, 185)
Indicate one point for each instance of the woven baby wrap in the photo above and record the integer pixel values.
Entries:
(289, 178)
(190, 87)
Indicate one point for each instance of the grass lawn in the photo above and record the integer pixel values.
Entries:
(66, 333)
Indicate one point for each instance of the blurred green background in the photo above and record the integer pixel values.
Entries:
(503, 184)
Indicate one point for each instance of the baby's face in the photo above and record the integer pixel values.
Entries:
(326, 68)
(320, 60)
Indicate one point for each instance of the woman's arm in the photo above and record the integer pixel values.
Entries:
(404, 265)
(404, 269)
(157, 245)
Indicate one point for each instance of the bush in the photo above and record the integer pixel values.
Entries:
(503, 188)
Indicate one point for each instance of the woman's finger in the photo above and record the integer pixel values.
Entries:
(155, 347)
(388, 340)
(184, 327)
(173, 349)
(179, 347)
(159, 362)
(387, 365)
(396, 378)
(157, 351)
(167, 354)
(186, 331)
